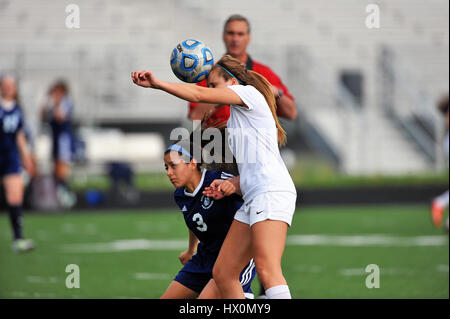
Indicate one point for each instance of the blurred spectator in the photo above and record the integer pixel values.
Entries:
(440, 203)
(236, 37)
(13, 149)
(58, 114)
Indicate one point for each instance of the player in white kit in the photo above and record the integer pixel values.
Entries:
(260, 226)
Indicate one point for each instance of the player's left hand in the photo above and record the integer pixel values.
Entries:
(219, 189)
(185, 256)
(29, 166)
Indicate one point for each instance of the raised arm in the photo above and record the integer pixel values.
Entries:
(188, 92)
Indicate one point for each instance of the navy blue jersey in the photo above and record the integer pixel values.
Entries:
(208, 219)
(11, 122)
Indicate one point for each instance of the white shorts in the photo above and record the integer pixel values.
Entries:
(269, 205)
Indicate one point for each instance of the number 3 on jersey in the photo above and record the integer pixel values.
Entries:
(199, 220)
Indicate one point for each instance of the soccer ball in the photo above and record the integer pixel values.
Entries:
(191, 61)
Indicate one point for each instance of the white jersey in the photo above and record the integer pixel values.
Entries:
(254, 143)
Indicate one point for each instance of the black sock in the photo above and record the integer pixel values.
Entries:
(15, 216)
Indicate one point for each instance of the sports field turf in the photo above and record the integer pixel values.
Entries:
(134, 254)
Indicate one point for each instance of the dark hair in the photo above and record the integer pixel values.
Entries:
(236, 17)
(60, 85)
(197, 151)
(222, 165)
(443, 105)
(248, 77)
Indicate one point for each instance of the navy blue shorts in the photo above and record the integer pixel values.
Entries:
(196, 281)
(10, 164)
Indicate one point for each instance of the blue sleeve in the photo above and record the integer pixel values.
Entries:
(21, 121)
(218, 175)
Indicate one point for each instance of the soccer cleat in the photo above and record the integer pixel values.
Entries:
(23, 245)
(66, 198)
(437, 212)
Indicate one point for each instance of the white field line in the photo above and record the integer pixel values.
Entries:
(442, 268)
(127, 245)
(42, 280)
(348, 272)
(366, 240)
(383, 271)
(151, 276)
(389, 271)
(292, 240)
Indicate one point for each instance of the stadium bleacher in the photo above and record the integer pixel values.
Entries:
(308, 43)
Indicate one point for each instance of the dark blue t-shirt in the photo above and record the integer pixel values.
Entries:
(207, 218)
(11, 122)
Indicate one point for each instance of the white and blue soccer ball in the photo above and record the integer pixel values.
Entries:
(191, 61)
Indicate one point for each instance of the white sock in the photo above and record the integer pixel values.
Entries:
(278, 292)
(443, 200)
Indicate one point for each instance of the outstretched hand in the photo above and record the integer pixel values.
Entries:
(146, 79)
(219, 189)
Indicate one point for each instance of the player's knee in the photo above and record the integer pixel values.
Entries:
(222, 275)
(219, 274)
(267, 272)
(263, 273)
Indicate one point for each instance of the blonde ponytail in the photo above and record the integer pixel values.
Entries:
(263, 86)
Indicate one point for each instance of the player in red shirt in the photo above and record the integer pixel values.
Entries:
(236, 36)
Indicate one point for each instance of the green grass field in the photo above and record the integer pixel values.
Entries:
(134, 254)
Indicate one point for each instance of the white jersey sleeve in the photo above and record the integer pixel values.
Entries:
(249, 95)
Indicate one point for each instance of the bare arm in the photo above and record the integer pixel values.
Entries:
(285, 105)
(187, 92)
(193, 241)
(286, 108)
(186, 255)
(24, 153)
(201, 110)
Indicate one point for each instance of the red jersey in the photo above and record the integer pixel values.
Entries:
(223, 113)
